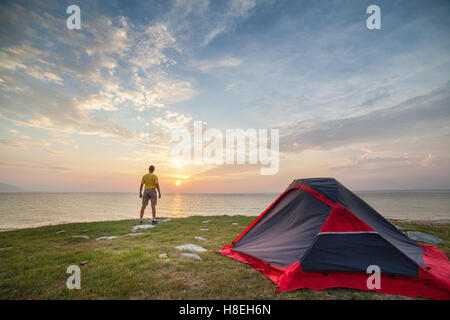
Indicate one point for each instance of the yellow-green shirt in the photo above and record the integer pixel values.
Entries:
(150, 180)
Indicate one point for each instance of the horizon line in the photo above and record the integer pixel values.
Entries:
(268, 192)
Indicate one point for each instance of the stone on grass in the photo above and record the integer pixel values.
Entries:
(81, 237)
(60, 231)
(133, 234)
(424, 237)
(234, 223)
(399, 228)
(159, 220)
(142, 226)
(5, 248)
(83, 262)
(206, 221)
(107, 238)
(200, 238)
(163, 256)
(191, 256)
(203, 229)
(191, 247)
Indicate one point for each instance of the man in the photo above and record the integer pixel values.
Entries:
(151, 183)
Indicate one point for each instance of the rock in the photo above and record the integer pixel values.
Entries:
(83, 262)
(206, 221)
(399, 228)
(163, 256)
(107, 238)
(133, 234)
(200, 238)
(81, 237)
(424, 237)
(203, 229)
(60, 231)
(191, 256)
(142, 226)
(235, 223)
(191, 247)
(159, 220)
(5, 248)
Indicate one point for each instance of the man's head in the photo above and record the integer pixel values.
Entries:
(151, 168)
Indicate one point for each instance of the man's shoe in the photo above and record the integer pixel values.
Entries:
(140, 221)
(154, 221)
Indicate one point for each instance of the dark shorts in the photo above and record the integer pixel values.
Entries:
(149, 194)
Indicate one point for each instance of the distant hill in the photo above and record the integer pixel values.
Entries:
(4, 187)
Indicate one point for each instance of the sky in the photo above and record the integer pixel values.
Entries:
(91, 109)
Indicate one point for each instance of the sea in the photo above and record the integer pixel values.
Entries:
(33, 209)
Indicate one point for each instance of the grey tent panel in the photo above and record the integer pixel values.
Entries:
(356, 252)
(287, 230)
(326, 186)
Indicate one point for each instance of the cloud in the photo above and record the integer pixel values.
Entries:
(44, 166)
(46, 146)
(372, 97)
(208, 65)
(27, 59)
(109, 67)
(60, 113)
(151, 46)
(17, 134)
(97, 101)
(169, 91)
(417, 116)
(155, 153)
(53, 108)
(200, 22)
(172, 121)
(237, 9)
(366, 162)
(13, 144)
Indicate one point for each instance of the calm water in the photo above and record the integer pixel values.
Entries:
(20, 210)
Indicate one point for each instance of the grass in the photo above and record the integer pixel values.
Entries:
(33, 263)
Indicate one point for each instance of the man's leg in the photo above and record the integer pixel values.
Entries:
(154, 211)
(142, 211)
(153, 203)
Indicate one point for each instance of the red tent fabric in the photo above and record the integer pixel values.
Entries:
(319, 235)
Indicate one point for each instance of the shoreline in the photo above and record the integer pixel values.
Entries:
(436, 222)
(431, 222)
(231, 193)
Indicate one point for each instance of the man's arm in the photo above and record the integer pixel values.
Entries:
(159, 191)
(140, 190)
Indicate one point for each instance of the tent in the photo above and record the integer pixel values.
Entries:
(318, 234)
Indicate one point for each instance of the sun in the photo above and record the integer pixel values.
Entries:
(177, 183)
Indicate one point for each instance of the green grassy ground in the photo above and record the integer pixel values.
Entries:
(33, 263)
